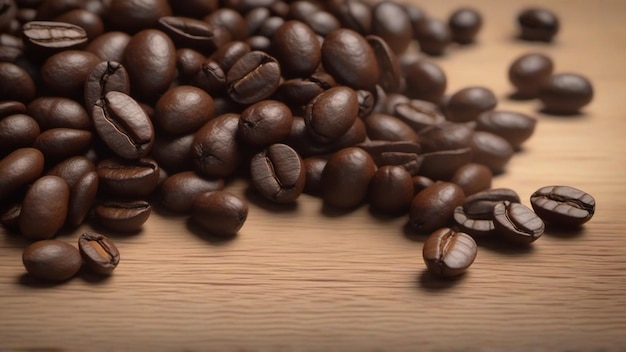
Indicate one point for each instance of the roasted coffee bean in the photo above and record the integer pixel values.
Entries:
(82, 197)
(219, 213)
(215, 150)
(229, 53)
(128, 178)
(528, 73)
(433, 207)
(105, 77)
(391, 190)
(51, 260)
(189, 63)
(229, 19)
(278, 173)
(331, 114)
(313, 168)
(376, 148)
(17, 131)
(194, 8)
(388, 64)
(173, 154)
(416, 15)
(475, 216)
(150, 59)
(367, 101)
(65, 73)
(566, 93)
(442, 165)
(297, 49)
(420, 183)
(537, 24)
(256, 17)
(491, 150)
(133, 16)
(123, 125)
(179, 190)
(302, 141)
(98, 252)
(433, 36)
(254, 77)
(11, 107)
(48, 37)
(61, 143)
(514, 127)
(445, 136)
(182, 110)
(475, 225)
(299, 10)
(322, 22)
(464, 24)
(517, 223)
(425, 80)
(346, 177)
(87, 20)
(466, 104)
(472, 178)
(354, 14)
(16, 83)
(122, 216)
(349, 58)
(418, 114)
(18, 169)
(264, 123)
(58, 112)
(72, 169)
(448, 253)
(563, 205)
(389, 128)
(44, 208)
(10, 215)
(210, 77)
(109, 46)
(187, 32)
(300, 91)
(391, 22)
(411, 162)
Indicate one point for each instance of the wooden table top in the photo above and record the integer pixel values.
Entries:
(296, 279)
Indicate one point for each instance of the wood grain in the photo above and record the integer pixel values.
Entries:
(303, 279)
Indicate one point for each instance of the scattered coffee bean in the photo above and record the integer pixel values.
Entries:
(528, 73)
(464, 24)
(51, 260)
(433, 36)
(466, 104)
(514, 127)
(472, 178)
(475, 216)
(48, 37)
(98, 252)
(566, 93)
(517, 223)
(563, 205)
(219, 213)
(537, 24)
(433, 207)
(448, 253)
(179, 190)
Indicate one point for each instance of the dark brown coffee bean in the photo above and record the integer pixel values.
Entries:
(150, 59)
(98, 252)
(219, 213)
(44, 208)
(442, 165)
(419, 114)
(466, 104)
(514, 127)
(188, 63)
(179, 190)
(464, 24)
(87, 20)
(445, 136)
(133, 16)
(537, 24)
(389, 128)
(18, 169)
(51, 260)
(566, 94)
(192, 33)
(528, 73)
(433, 36)
(61, 143)
(517, 223)
(491, 150)
(563, 205)
(348, 57)
(391, 190)
(300, 91)
(215, 150)
(425, 80)
(17, 131)
(82, 197)
(388, 64)
(278, 173)
(367, 101)
(65, 73)
(448, 253)
(58, 112)
(474, 225)
(420, 183)
(11, 107)
(297, 49)
(475, 216)
(264, 123)
(16, 83)
(183, 109)
(354, 14)
(47, 37)
(123, 125)
(105, 77)
(173, 154)
(230, 20)
(128, 178)
(331, 114)
(313, 167)
(256, 17)
(123, 216)
(229, 53)
(210, 77)
(72, 169)
(259, 43)
(472, 178)
(109, 46)
(433, 207)
(375, 148)
(254, 77)
(346, 177)
(391, 22)
(411, 162)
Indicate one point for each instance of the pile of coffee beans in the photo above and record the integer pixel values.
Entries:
(108, 108)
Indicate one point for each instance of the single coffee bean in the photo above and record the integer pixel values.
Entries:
(72, 169)
(16, 83)
(259, 43)
(278, 173)
(187, 32)
(61, 143)
(368, 100)
(389, 128)
(376, 148)
(128, 178)
(59, 112)
(425, 80)
(230, 20)
(514, 127)
(565, 93)
(419, 114)
(133, 16)
(11, 107)
(297, 49)
(491, 150)
(44, 208)
(183, 109)
(109, 46)
(229, 53)
(18, 169)
(433, 207)
(391, 22)
(474, 225)
(442, 165)
(528, 73)
(466, 104)
(256, 17)
(472, 178)
(219, 213)
(188, 63)
(47, 37)
(313, 167)
(82, 197)
(17, 131)
(411, 162)
(448, 253)
(331, 114)
(517, 223)
(215, 148)
(433, 36)
(51, 260)
(346, 177)
(264, 123)
(563, 205)
(179, 190)
(464, 24)
(420, 183)
(65, 73)
(254, 77)
(300, 139)
(122, 216)
(445, 136)
(388, 64)
(537, 24)
(105, 77)
(123, 125)
(98, 252)
(391, 190)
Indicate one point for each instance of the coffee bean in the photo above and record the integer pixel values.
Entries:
(87, 20)
(466, 104)
(98, 252)
(433, 36)
(187, 32)
(464, 24)
(474, 225)
(433, 207)
(537, 24)
(491, 150)
(442, 165)
(82, 197)
(229, 53)
(517, 223)
(418, 114)
(219, 213)
(299, 91)
(391, 190)
(278, 173)
(72, 169)
(448, 253)
(514, 127)
(264, 123)
(354, 14)
(563, 205)
(331, 114)
(65, 73)
(389, 128)
(105, 77)
(391, 22)
(210, 77)
(179, 190)
(123, 125)
(215, 149)
(229, 19)
(346, 177)
(128, 178)
(51, 260)
(47, 37)
(16, 83)
(475, 216)
(61, 143)
(183, 109)
(11, 107)
(420, 183)
(445, 136)
(173, 153)
(313, 167)
(528, 73)
(59, 112)
(390, 79)
(18, 169)
(122, 216)
(10, 215)
(44, 208)
(109, 46)
(17, 131)
(472, 178)
(133, 16)
(566, 93)
(297, 49)
(254, 77)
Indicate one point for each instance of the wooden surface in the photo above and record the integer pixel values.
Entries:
(296, 279)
